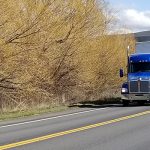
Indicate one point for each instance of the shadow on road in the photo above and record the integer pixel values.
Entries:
(116, 102)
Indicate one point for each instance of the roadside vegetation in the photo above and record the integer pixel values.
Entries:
(55, 52)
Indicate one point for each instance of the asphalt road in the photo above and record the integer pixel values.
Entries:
(108, 128)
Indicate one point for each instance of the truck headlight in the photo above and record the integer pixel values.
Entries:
(124, 90)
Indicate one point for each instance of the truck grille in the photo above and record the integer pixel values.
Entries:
(139, 86)
(134, 86)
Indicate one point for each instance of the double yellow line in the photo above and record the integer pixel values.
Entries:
(50, 136)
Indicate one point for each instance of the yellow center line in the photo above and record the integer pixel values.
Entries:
(50, 136)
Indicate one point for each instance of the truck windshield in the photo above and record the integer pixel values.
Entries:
(139, 67)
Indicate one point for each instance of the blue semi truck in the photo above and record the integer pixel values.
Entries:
(137, 86)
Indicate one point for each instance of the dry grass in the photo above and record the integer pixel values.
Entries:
(14, 114)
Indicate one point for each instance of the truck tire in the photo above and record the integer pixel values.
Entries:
(125, 103)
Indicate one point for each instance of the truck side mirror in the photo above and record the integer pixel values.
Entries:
(121, 73)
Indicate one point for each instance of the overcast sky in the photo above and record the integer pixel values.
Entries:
(133, 14)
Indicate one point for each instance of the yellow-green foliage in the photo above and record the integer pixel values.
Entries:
(54, 50)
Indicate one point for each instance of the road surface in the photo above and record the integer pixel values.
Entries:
(101, 128)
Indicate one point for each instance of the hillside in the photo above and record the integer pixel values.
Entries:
(142, 36)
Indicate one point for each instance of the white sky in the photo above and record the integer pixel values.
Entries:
(132, 14)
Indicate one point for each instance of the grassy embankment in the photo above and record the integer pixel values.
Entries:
(57, 53)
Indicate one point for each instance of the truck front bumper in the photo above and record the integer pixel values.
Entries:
(136, 97)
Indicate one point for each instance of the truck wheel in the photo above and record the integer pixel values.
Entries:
(125, 103)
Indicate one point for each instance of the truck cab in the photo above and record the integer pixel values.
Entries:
(137, 86)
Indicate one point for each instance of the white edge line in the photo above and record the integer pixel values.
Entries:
(45, 119)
